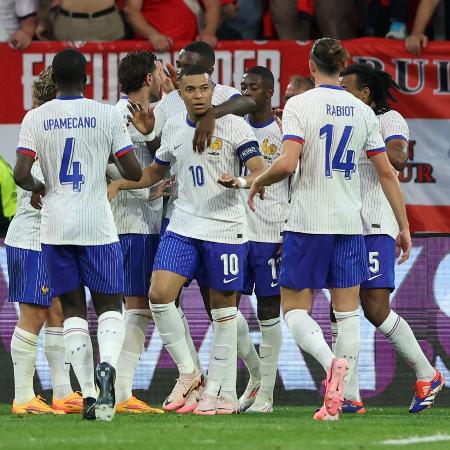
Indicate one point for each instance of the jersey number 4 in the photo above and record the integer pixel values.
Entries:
(76, 179)
(343, 159)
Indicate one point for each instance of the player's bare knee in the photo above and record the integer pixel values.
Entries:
(222, 299)
(32, 318)
(268, 308)
(158, 295)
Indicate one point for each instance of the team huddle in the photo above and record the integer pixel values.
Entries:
(256, 205)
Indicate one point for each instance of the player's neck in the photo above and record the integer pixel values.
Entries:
(141, 97)
(320, 79)
(261, 116)
(70, 92)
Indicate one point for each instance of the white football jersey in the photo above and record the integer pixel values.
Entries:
(24, 229)
(171, 105)
(267, 222)
(336, 128)
(131, 214)
(376, 213)
(204, 209)
(73, 138)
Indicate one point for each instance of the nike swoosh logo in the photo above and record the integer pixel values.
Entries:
(373, 278)
(273, 284)
(230, 280)
(179, 145)
(220, 359)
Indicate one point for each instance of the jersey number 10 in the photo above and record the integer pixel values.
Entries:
(65, 177)
(343, 159)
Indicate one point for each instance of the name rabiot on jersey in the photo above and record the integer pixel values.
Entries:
(377, 215)
(326, 196)
(204, 209)
(73, 138)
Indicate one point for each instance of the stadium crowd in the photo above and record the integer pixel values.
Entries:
(162, 22)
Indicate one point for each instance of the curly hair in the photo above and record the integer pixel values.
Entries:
(44, 89)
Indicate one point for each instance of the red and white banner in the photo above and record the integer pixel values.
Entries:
(423, 99)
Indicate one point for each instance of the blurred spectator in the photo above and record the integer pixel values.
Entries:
(8, 196)
(297, 85)
(241, 19)
(17, 22)
(398, 10)
(287, 21)
(80, 20)
(164, 21)
(418, 39)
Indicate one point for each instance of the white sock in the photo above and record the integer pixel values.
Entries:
(110, 335)
(136, 324)
(269, 350)
(55, 353)
(23, 355)
(223, 358)
(399, 333)
(171, 329)
(334, 334)
(348, 340)
(308, 336)
(79, 352)
(245, 348)
(190, 342)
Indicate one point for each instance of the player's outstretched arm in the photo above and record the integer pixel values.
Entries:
(23, 177)
(256, 167)
(131, 168)
(281, 168)
(397, 151)
(391, 188)
(150, 175)
(238, 105)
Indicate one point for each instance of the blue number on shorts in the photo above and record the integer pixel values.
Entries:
(198, 176)
(343, 159)
(65, 177)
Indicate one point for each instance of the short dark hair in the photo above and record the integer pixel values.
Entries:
(69, 67)
(204, 50)
(329, 55)
(133, 69)
(193, 69)
(265, 74)
(299, 80)
(379, 82)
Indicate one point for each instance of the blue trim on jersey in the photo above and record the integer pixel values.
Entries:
(331, 86)
(161, 162)
(262, 124)
(124, 151)
(293, 137)
(189, 122)
(375, 151)
(395, 136)
(248, 151)
(235, 95)
(69, 97)
(124, 97)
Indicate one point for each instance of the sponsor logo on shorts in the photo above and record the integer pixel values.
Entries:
(274, 284)
(230, 280)
(45, 289)
(376, 276)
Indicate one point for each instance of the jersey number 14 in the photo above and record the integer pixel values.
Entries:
(76, 179)
(343, 159)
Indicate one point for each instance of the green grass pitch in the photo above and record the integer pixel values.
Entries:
(287, 428)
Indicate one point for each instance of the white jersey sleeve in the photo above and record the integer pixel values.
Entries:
(294, 122)
(374, 142)
(24, 229)
(121, 140)
(164, 154)
(376, 213)
(27, 138)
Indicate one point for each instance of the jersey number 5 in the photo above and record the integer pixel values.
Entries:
(65, 177)
(343, 159)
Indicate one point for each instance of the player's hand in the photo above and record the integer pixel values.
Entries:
(415, 42)
(208, 38)
(164, 188)
(20, 40)
(143, 120)
(403, 245)
(44, 30)
(164, 78)
(204, 131)
(36, 200)
(160, 42)
(171, 72)
(113, 189)
(254, 190)
(229, 181)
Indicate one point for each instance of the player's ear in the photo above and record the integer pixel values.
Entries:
(269, 93)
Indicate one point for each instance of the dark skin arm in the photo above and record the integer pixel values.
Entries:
(239, 106)
(397, 151)
(23, 177)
